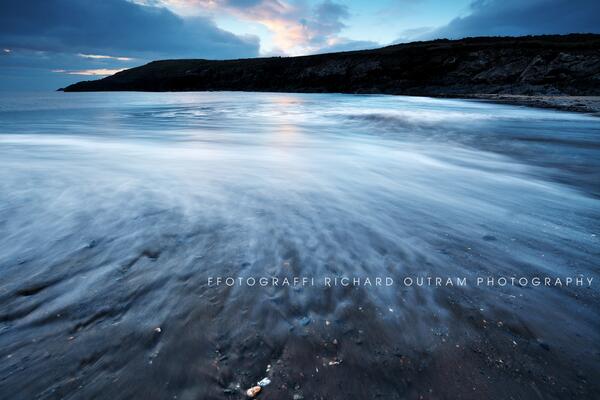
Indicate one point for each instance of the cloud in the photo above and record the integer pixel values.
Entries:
(343, 44)
(98, 38)
(115, 27)
(326, 22)
(518, 17)
(412, 34)
(298, 27)
(104, 57)
(90, 72)
(22, 69)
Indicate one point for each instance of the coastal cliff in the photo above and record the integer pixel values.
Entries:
(531, 65)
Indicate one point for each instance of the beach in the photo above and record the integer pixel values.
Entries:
(422, 248)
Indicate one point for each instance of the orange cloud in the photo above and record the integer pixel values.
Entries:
(297, 28)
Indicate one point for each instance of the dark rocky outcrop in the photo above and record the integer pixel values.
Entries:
(530, 65)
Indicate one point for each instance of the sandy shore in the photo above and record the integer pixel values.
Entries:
(582, 104)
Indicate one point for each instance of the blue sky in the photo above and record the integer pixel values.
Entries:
(45, 44)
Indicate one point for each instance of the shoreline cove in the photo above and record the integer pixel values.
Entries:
(407, 281)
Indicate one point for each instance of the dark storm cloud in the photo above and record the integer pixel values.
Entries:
(114, 27)
(523, 17)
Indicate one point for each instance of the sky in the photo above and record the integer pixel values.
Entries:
(47, 44)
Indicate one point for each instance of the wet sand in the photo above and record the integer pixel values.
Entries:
(583, 104)
(441, 343)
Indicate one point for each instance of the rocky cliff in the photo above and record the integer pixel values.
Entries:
(531, 65)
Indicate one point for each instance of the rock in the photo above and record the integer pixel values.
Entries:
(264, 382)
(501, 73)
(157, 330)
(535, 71)
(253, 391)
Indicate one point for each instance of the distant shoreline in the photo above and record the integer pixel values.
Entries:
(580, 104)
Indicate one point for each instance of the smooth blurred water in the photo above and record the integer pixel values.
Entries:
(114, 207)
(296, 167)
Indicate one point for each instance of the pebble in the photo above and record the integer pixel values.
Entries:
(253, 391)
(157, 330)
(264, 382)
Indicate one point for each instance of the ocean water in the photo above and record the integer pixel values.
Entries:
(116, 208)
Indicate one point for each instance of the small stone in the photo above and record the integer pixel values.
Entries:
(253, 391)
(157, 330)
(264, 382)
